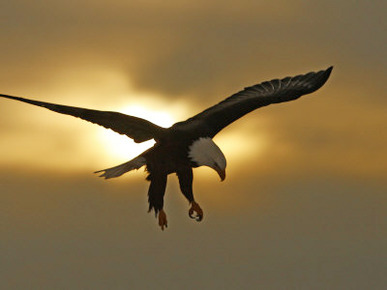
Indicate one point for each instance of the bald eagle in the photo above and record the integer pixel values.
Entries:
(187, 144)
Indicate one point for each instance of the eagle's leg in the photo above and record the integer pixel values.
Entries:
(185, 180)
(162, 219)
(156, 197)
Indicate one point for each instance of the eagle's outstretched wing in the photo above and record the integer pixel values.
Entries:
(138, 129)
(209, 122)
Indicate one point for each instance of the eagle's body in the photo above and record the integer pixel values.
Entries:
(188, 144)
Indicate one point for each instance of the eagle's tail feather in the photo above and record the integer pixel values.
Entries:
(117, 171)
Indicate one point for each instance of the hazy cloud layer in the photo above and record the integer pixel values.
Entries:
(179, 49)
(86, 233)
(91, 54)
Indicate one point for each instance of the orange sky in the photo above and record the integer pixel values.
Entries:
(304, 199)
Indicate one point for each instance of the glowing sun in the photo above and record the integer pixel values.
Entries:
(121, 147)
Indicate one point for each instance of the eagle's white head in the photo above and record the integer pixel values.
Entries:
(204, 152)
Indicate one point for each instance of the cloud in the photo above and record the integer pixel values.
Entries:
(93, 54)
(173, 49)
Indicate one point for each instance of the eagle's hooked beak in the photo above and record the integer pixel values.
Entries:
(221, 172)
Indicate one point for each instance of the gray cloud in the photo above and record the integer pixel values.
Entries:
(199, 50)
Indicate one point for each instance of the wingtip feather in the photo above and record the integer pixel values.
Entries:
(319, 79)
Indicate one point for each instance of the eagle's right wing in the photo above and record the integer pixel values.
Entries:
(138, 129)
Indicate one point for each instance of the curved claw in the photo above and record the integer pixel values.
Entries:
(195, 216)
(163, 219)
(195, 212)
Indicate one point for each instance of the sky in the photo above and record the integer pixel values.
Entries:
(304, 202)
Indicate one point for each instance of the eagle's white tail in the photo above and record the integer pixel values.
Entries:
(116, 171)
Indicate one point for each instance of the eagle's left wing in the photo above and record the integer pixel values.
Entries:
(209, 122)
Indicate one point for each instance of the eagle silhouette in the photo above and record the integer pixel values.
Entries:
(187, 144)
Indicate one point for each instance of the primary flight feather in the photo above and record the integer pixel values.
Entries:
(188, 144)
